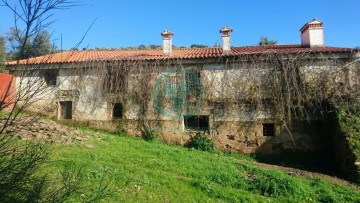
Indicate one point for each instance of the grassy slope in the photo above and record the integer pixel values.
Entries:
(174, 174)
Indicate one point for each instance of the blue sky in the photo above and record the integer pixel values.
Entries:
(122, 23)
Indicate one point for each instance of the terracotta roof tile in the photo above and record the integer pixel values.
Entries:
(189, 53)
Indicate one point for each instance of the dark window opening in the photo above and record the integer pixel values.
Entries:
(268, 129)
(50, 77)
(200, 123)
(117, 111)
(66, 110)
(193, 79)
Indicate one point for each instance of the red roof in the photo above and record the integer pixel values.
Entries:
(189, 53)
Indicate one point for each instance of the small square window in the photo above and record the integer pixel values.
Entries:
(199, 123)
(268, 129)
(50, 77)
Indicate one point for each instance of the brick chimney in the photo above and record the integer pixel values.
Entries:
(167, 42)
(312, 34)
(225, 35)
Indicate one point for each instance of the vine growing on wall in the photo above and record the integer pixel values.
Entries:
(281, 87)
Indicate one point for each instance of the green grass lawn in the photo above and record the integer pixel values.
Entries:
(141, 171)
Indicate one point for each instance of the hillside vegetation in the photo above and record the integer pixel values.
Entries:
(135, 170)
(349, 120)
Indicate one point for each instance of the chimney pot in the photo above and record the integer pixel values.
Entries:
(167, 42)
(225, 35)
(312, 34)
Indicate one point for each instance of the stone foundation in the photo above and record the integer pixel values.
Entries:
(244, 137)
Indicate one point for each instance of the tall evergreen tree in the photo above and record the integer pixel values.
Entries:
(32, 46)
(41, 45)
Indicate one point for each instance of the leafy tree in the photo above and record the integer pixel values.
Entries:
(198, 46)
(26, 47)
(154, 46)
(41, 44)
(265, 41)
(2, 52)
(16, 43)
(142, 47)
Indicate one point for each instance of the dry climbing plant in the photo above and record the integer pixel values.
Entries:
(282, 87)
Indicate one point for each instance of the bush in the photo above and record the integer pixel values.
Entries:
(152, 136)
(349, 119)
(273, 185)
(20, 179)
(149, 135)
(201, 142)
(120, 131)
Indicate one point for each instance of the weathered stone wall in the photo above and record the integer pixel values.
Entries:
(245, 137)
(230, 126)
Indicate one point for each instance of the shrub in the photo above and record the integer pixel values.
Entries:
(274, 184)
(120, 131)
(147, 132)
(349, 119)
(201, 142)
(150, 136)
(20, 179)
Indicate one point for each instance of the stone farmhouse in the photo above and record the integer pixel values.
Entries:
(225, 92)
